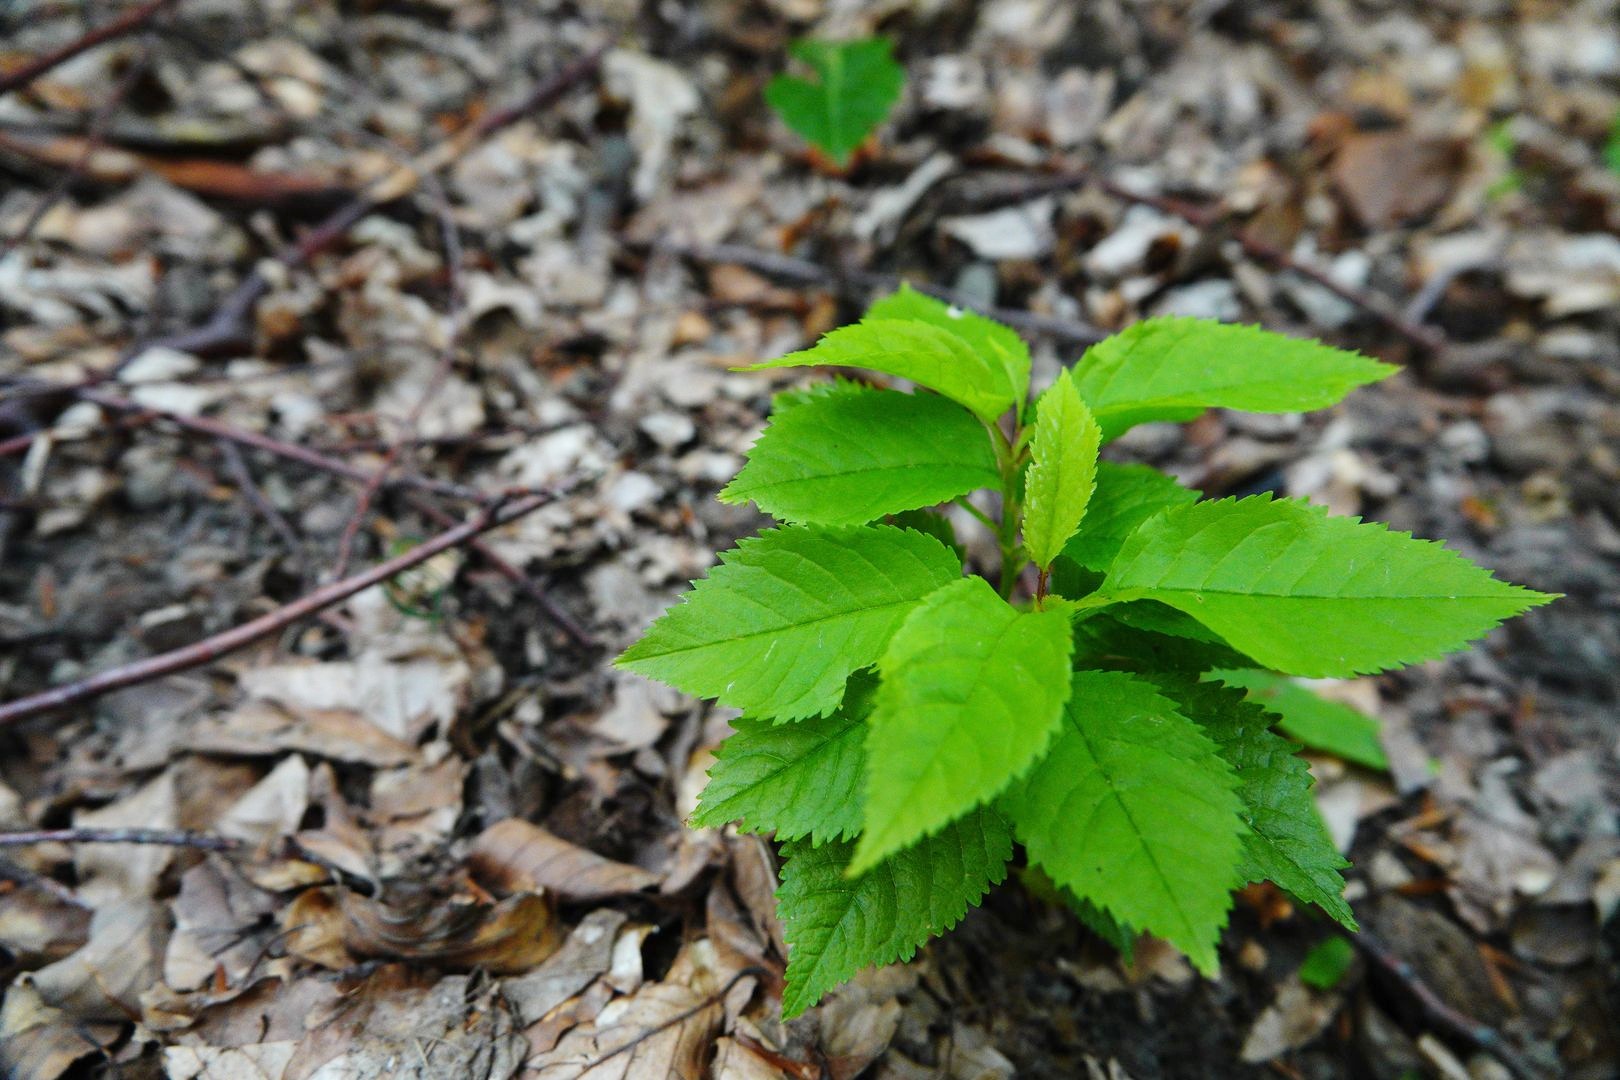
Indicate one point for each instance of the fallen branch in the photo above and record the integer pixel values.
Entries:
(126, 24)
(212, 648)
(1436, 1011)
(860, 284)
(1211, 219)
(158, 837)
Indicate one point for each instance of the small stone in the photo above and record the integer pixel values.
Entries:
(668, 429)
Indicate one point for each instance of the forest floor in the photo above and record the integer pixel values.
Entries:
(288, 290)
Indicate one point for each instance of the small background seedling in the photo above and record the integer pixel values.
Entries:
(857, 83)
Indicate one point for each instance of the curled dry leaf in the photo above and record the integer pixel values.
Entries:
(334, 927)
(586, 955)
(515, 855)
(124, 956)
(37, 1041)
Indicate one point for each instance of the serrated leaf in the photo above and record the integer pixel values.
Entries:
(854, 455)
(1148, 637)
(857, 83)
(1320, 724)
(1173, 368)
(1308, 594)
(937, 359)
(779, 626)
(972, 690)
(1062, 472)
(929, 523)
(1134, 809)
(1126, 496)
(795, 780)
(836, 925)
(987, 337)
(1287, 842)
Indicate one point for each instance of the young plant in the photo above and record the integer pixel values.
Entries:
(857, 83)
(904, 725)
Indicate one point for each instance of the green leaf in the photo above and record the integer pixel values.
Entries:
(1134, 809)
(795, 780)
(1173, 368)
(986, 336)
(937, 359)
(1309, 594)
(1126, 496)
(836, 925)
(972, 690)
(854, 455)
(1149, 637)
(929, 523)
(789, 615)
(1611, 149)
(1327, 963)
(857, 83)
(1320, 724)
(1062, 472)
(1287, 842)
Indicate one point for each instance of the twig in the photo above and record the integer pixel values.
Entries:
(202, 425)
(243, 478)
(854, 283)
(553, 611)
(122, 26)
(753, 971)
(1437, 1012)
(212, 648)
(1210, 219)
(95, 136)
(159, 837)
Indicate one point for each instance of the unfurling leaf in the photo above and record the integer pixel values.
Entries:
(1062, 472)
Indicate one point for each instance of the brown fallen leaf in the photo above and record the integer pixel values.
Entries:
(585, 956)
(263, 728)
(1387, 178)
(38, 1041)
(664, 1031)
(333, 927)
(123, 956)
(514, 855)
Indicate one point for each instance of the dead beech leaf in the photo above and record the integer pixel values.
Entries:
(1390, 177)
(112, 871)
(515, 855)
(38, 927)
(123, 956)
(663, 1031)
(272, 808)
(38, 1041)
(263, 728)
(333, 927)
(586, 955)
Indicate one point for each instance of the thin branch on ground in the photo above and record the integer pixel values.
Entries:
(1212, 219)
(158, 837)
(95, 137)
(860, 284)
(212, 648)
(126, 24)
(242, 477)
(1436, 1011)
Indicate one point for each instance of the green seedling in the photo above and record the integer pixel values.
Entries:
(904, 724)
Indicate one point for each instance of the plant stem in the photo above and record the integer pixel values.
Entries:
(983, 518)
(1011, 512)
